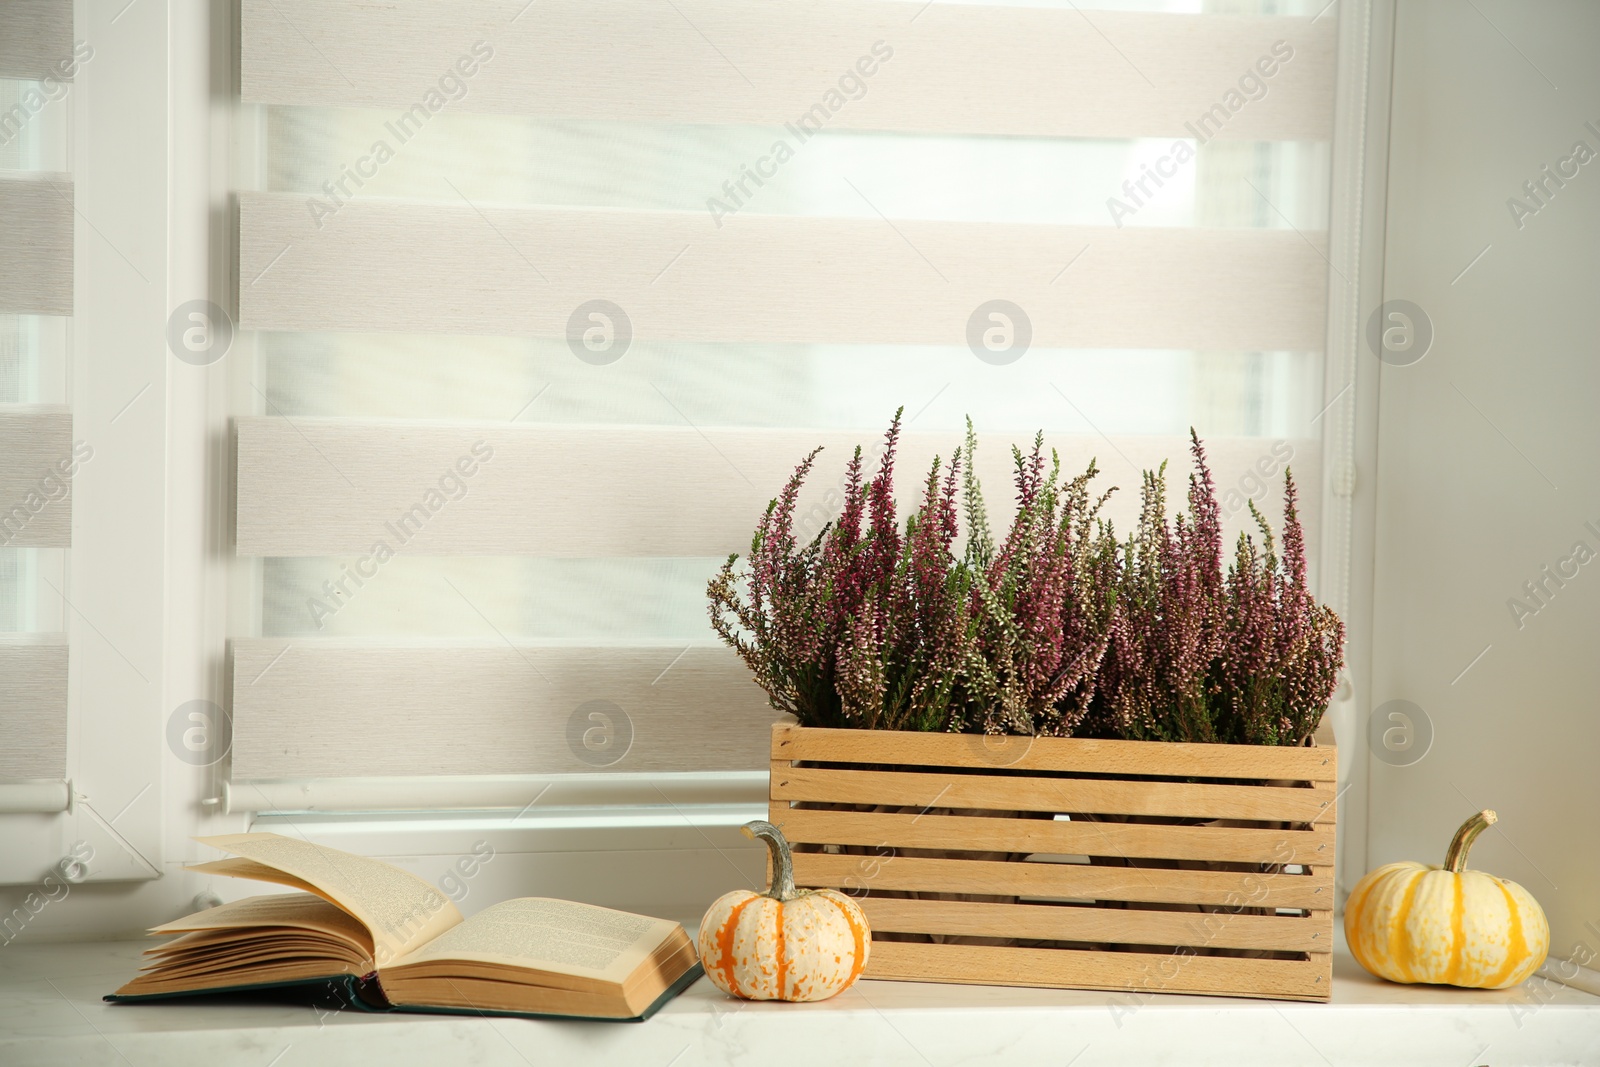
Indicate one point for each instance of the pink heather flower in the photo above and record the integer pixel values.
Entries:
(1058, 629)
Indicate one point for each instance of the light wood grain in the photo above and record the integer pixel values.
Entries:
(35, 35)
(1115, 840)
(449, 267)
(346, 709)
(35, 496)
(1005, 793)
(33, 706)
(1077, 755)
(311, 487)
(1127, 971)
(953, 69)
(36, 253)
(1047, 922)
(1070, 880)
(882, 870)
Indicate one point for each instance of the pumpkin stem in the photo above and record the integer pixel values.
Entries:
(1455, 860)
(782, 888)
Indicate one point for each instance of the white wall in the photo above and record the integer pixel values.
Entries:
(1488, 448)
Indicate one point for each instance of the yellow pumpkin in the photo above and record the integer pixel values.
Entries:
(1409, 922)
(786, 943)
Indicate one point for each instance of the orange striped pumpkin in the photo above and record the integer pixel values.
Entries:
(1411, 923)
(786, 943)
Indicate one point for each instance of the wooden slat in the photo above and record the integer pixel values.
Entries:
(36, 467)
(1045, 922)
(1129, 971)
(1049, 891)
(950, 68)
(36, 254)
(33, 706)
(1146, 885)
(1082, 756)
(312, 487)
(386, 266)
(956, 790)
(1118, 840)
(332, 709)
(35, 36)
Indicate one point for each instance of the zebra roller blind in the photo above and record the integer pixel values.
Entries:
(38, 456)
(544, 301)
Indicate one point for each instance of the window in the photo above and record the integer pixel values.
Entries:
(538, 317)
(548, 309)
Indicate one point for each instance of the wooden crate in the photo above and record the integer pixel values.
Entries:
(1124, 865)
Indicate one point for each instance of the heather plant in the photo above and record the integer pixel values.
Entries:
(1249, 658)
(863, 626)
(1280, 658)
(1042, 598)
(1056, 629)
(1168, 626)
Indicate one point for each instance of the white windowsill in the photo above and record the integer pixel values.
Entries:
(51, 1013)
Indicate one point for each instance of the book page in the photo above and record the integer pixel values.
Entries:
(221, 960)
(302, 910)
(551, 935)
(259, 939)
(260, 872)
(400, 910)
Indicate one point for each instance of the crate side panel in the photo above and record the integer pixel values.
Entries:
(1115, 840)
(1028, 793)
(1131, 972)
(1045, 922)
(888, 872)
(1082, 755)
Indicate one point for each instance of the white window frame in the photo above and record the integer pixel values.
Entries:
(1358, 191)
(126, 577)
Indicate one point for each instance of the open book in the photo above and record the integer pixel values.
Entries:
(389, 939)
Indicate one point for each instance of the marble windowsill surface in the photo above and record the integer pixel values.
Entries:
(51, 1013)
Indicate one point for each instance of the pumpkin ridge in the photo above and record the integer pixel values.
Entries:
(860, 960)
(1516, 944)
(1458, 935)
(783, 967)
(725, 944)
(1399, 952)
(1356, 907)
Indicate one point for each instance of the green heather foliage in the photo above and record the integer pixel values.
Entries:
(1059, 629)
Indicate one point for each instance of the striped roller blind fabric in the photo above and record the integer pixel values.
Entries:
(485, 541)
(37, 42)
(38, 61)
(963, 69)
(33, 704)
(36, 476)
(661, 491)
(377, 266)
(36, 257)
